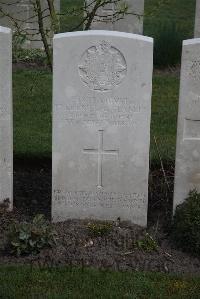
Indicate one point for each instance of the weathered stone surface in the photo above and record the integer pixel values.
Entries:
(23, 13)
(187, 175)
(6, 152)
(101, 125)
(132, 23)
(197, 19)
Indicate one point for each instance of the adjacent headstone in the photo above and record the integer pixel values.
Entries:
(6, 152)
(197, 19)
(25, 18)
(187, 174)
(107, 19)
(101, 125)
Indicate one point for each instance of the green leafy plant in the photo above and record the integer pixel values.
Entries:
(99, 229)
(18, 41)
(186, 224)
(30, 238)
(147, 243)
(36, 56)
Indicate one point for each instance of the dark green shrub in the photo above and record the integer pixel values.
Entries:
(167, 45)
(186, 224)
(30, 238)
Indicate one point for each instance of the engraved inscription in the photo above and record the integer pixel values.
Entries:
(101, 111)
(192, 105)
(100, 152)
(102, 199)
(106, 14)
(194, 99)
(102, 67)
(192, 129)
(195, 70)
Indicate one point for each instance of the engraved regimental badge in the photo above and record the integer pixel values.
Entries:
(102, 67)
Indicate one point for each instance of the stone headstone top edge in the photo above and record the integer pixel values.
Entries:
(104, 33)
(5, 29)
(192, 41)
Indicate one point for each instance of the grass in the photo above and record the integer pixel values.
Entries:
(32, 114)
(21, 282)
(32, 89)
(32, 92)
(181, 12)
(169, 24)
(164, 116)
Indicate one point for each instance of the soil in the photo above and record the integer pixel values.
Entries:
(78, 245)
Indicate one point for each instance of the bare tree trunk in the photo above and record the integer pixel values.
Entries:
(43, 33)
(91, 16)
(88, 10)
(54, 16)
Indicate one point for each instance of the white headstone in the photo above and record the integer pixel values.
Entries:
(101, 125)
(131, 22)
(6, 152)
(25, 16)
(187, 174)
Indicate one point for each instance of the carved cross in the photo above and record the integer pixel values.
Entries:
(100, 152)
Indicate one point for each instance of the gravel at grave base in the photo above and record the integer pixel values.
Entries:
(32, 195)
(114, 251)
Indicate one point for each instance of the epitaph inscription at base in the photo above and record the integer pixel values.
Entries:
(101, 124)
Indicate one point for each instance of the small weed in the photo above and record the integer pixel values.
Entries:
(147, 243)
(176, 286)
(99, 229)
